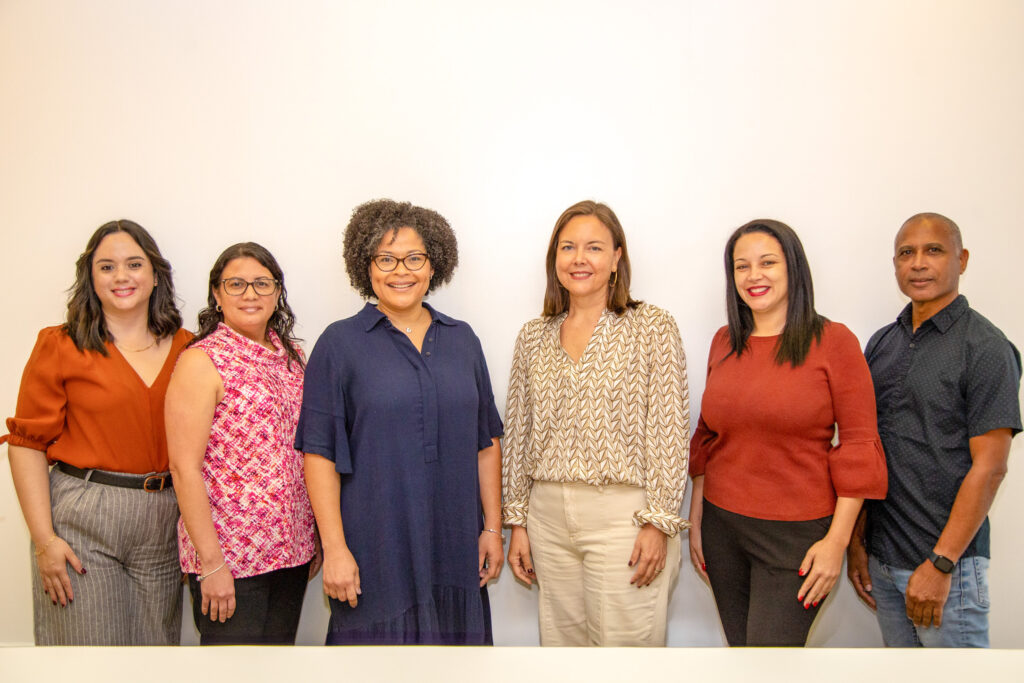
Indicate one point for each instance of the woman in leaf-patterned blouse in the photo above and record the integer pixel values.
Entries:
(596, 444)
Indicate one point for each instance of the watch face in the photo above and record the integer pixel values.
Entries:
(943, 564)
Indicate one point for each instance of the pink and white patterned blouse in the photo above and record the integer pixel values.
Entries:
(253, 474)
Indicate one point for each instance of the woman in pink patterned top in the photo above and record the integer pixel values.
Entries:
(246, 536)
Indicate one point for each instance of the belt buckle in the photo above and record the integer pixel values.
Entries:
(161, 480)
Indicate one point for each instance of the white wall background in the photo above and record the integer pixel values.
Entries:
(216, 122)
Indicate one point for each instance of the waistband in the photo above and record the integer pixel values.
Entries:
(147, 482)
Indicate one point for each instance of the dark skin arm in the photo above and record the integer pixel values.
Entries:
(928, 588)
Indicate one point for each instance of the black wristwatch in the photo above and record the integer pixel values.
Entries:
(943, 564)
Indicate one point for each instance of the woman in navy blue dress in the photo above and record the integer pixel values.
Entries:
(400, 430)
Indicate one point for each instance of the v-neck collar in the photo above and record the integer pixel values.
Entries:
(167, 365)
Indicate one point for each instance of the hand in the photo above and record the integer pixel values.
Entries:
(697, 549)
(318, 557)
(218, 591)
(519, 559)
(857, 570)
(821, 565)
(649, 553)
(927, 591)
(492, 556)
(52, 563)
(341, 576)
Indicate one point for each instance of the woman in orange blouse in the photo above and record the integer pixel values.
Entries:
(92, 404)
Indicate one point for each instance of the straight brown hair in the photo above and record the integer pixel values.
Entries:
(556, 297)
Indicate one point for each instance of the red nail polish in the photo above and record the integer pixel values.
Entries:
(815, 604)
(83, 571)
(806, 606)
(801, 572)
(703, 567)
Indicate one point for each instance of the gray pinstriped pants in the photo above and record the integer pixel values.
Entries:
(127, 542)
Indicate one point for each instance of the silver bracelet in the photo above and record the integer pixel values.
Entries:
(495, 531)
(204, 577)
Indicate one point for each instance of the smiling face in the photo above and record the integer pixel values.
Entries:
(585, 259)
(762, 280)
(401, 290)
(246, 313)
(928, 265)
(122, 274)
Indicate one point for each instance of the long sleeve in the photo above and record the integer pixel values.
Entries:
(515, 477)
(667, 425)
(857, 464)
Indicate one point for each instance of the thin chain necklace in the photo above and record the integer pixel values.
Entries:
(144, 348)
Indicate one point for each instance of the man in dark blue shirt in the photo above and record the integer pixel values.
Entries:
(946, 384)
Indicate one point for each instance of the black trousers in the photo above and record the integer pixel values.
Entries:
(753, 565)
(267, 609)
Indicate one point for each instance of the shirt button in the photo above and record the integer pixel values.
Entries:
(430, 339)
(911, 344)
(428, 353)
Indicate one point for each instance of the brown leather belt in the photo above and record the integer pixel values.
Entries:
(146, 482)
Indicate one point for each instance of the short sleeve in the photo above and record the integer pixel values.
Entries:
(489, 425)
(321, 428)
(42, 399)
(857, 464)
(993, 386)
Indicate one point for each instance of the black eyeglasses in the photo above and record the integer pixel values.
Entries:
(413, 261)
(236, 286)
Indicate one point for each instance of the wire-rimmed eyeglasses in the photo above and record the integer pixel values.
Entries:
(236, 286)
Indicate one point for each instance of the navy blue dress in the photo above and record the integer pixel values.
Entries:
(403, 429)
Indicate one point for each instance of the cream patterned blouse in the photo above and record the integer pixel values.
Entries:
(619, 416)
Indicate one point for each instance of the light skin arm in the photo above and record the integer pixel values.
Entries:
(492, 554)
(31, 474)
(194, 391)
(928, 588)
(824, 560)
(857, 562)
(696, 515)
(341, 572)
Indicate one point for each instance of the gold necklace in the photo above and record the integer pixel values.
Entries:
(144, 348)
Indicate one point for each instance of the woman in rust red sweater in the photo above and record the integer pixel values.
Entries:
(774, 501)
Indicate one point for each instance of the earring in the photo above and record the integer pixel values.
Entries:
(156, 280)
(218, 308)
(615, 278)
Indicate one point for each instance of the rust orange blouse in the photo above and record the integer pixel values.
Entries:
(90, 410)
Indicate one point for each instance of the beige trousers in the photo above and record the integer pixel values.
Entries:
(581, 538)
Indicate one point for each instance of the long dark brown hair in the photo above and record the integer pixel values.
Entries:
(86, 324)
(282, 321)
(803, 324)
(556, 297)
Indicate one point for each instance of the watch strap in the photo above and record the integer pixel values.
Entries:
(943, 564)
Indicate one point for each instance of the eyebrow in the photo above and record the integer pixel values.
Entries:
(110, 260)
(587, 242)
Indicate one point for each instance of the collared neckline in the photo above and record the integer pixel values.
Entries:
(258, 350)
(371, 316)
(942, 320)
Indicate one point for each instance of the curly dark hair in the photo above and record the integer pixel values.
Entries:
(370, 224)
(282, 321)
(85, 322)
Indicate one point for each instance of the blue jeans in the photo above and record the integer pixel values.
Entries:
(964, 616)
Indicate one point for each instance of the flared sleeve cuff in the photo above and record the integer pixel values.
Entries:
(514, 513)
(668, 522)
(858, 470)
